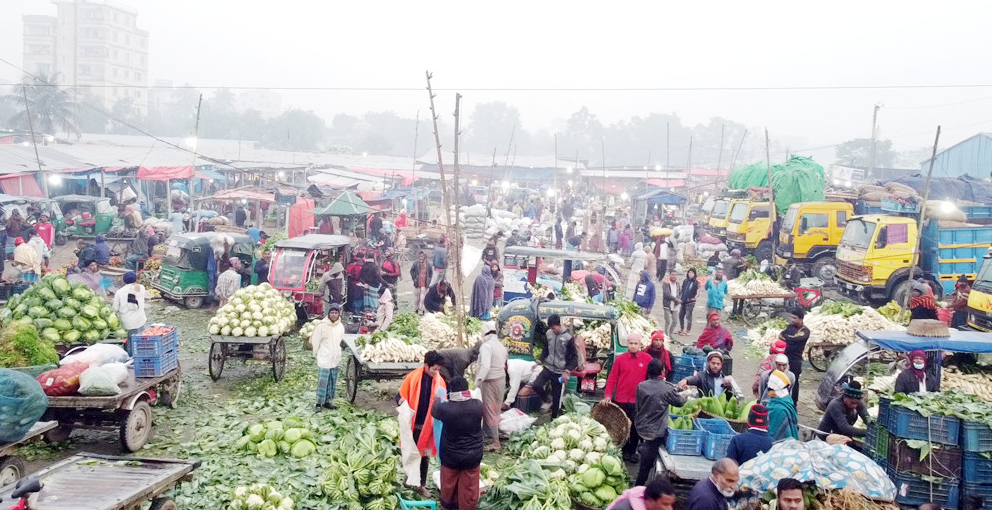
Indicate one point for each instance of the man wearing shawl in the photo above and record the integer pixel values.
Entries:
(415, 400)
(482, 293)
(915, 378)
(715, 335)
(491, 380)
(783, 421)
(921, 304)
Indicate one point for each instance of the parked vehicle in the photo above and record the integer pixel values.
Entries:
(749, 228)
(299, 263)
(86, 216)
(809, 237)
(183, 277)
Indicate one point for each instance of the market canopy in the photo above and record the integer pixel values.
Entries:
(238, 194)
(346, 204)
(165, 173)
(959, 341)
(661, 196)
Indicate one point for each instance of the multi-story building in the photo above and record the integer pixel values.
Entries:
(95, 45)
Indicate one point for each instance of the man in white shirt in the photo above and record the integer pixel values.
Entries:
(520, 372)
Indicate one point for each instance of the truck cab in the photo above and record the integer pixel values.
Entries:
(809, 237)
(980, 298)
(749, 228)
(717, 225)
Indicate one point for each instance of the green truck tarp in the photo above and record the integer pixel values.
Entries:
(798, 180)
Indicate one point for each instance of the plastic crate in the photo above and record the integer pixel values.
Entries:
(684, 361)
(976, 468)
(976, 437)
(716, 437)
(884, 404)
(907, 424)
(980, 490)
(529, 403)
(684, 442)
(942, 461)
(148, 346)
(156, 366)
(679, 373)
(911, 490)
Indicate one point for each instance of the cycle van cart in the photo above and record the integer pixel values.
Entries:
(263, 348)
(103, 482)
(356, 370)
(757, 310)
(130, 410)
(12, 466)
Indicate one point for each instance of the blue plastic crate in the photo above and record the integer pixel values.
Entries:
(976, 437)
(907, 424)
(716, 437)
(913, 490)
(148, 346)
(684, 442)
(679, 373)
(976, 468)
(156, 365)
(884, 404)
(981, 490)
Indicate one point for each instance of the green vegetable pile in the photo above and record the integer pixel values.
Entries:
(64, 312)
(894, 313)
(307, 329)
(366, 473)
(406, 324)
(775, 324)
(845, 308)
(20, 346)
(259, 496)
(288, 437)
(600, 483)
(681, 423)
(752, 275)
(527, 486)
(946, 403)
(724, 407)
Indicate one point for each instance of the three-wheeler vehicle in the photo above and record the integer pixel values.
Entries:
(299, 263)
(183, 277)
(86, 216)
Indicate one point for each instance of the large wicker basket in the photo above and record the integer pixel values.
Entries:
(614, 419)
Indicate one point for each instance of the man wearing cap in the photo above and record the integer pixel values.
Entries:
(629, 369)
(716, 290)
(491, 380)
(715, 335)
(782, 365)
(390, 269)
(767, 364)
(712, 382)
(653, 397)
(228, 282)
(795, 337)
(783, 422)
(326, 341)
(26, 258)
(658, 350)
(45, 230)
(843, 412)
(746, 446)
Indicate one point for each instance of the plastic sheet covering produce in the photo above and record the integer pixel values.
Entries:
(755, 174)
(799, 180)
(22, 402)
(829, 466)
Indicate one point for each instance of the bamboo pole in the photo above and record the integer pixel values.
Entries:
(923, 215)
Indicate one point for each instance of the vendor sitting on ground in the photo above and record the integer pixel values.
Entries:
(715, 335)
(921, 304)
(712, 381)
(914, 379)
(843, 412)
(435, 299)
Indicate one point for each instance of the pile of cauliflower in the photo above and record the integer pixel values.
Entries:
(254, 311)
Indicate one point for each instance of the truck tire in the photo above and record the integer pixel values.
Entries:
(825, 269)
(900, 291)
(764, 251)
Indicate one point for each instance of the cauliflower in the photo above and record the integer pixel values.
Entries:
(558, 444)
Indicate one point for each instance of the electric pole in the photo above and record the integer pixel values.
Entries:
(871, 155)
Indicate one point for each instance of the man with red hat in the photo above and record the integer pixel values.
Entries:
(715, 335)
(746, 446)
(777, 347)
(629, 369)
(659, 351)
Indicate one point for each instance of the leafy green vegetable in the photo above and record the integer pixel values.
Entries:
(21, 346)
(845, 308)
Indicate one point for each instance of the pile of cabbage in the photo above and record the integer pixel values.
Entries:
(260, 496)
(64, 312)
(288, 437)
(256, 310)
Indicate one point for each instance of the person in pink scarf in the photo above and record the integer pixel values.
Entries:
(915, 379)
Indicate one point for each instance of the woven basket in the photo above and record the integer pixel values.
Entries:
(579, 506)
(739, 426)
(614, 419)
(928, 327)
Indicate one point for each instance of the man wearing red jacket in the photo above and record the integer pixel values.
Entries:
(629, 370)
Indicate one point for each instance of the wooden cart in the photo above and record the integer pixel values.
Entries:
(263, 348)
(101, 482)
(130, 410)
(12, 466)
(756, 310)
(356, 369)
(820, 355)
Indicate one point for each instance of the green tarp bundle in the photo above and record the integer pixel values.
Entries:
(798, 180)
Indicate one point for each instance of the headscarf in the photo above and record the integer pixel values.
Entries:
(778, 383)
(482, 292)
(591, 287)
(920, 374)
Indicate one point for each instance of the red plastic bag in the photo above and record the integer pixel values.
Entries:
(63, 380)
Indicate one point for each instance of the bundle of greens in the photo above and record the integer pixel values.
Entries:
(365, 475)
(21, 346)
(946, 403)
(845, 308)
(406, 324)
(526, 486)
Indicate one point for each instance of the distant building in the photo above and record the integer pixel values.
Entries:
(972, 156)
(97, 47)
(268, 102)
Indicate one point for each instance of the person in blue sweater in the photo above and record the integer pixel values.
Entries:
(746, 446)
(716, 289)
(644, 293)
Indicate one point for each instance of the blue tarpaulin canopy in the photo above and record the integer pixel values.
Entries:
(959, 341)
(660, 196)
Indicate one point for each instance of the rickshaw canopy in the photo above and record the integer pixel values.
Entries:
(315, 242)
(197, 247)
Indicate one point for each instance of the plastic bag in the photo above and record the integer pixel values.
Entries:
(118, 371)
(23, 403)
(97, 355)
(515, 420)
(96, 381)
(63, 380)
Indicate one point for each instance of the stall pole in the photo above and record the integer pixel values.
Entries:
(923, 215)
(771, 194)
(37, 158)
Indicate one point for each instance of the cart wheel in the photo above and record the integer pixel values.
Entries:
(163, 504)
(278, 359)
(170, 391)
(752, 309)
(820, 358)
(11, 470)
(136, 427)
(351, 376)
(59, 434)
(60, 239)
(216, 362)
(193, 302)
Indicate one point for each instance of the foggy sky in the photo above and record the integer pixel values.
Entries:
(588, 45)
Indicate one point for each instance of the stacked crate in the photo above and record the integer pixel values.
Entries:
(155, 355)
(976, 441)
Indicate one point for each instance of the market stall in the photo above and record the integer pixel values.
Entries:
(350, 209)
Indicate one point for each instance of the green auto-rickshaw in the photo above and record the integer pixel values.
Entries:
(183, 277)
(86, 216)
(51, 207)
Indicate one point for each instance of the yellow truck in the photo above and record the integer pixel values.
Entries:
(980, 298)
(809, 236)
(749, 228)
(717, 224)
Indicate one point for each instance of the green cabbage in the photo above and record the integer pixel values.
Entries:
(284, 447)
(90, 311)
(81, 324)
(120, 333)
(61, 286)
(293, 435)
(274, 434)
(257, 432)
(242, 443)
(63, 324)
(46, 293)
(66, 312)
(82, 293)
(113, 321)
(268, 448)
(292, 423)
(612, 465)
(72, 303)
(71, 336)
(606, 493)
(302, 448)
(106, 312)
(593, 477)
(99, 324)
(37, 311)
(53, 304)
(43, 322)
(51, 335)
(92, 336)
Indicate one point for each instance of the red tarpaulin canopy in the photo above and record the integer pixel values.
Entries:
(300, 217)
(165, 173)
(24, 185)
(666, 183)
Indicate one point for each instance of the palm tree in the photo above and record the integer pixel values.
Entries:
(52, 108)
